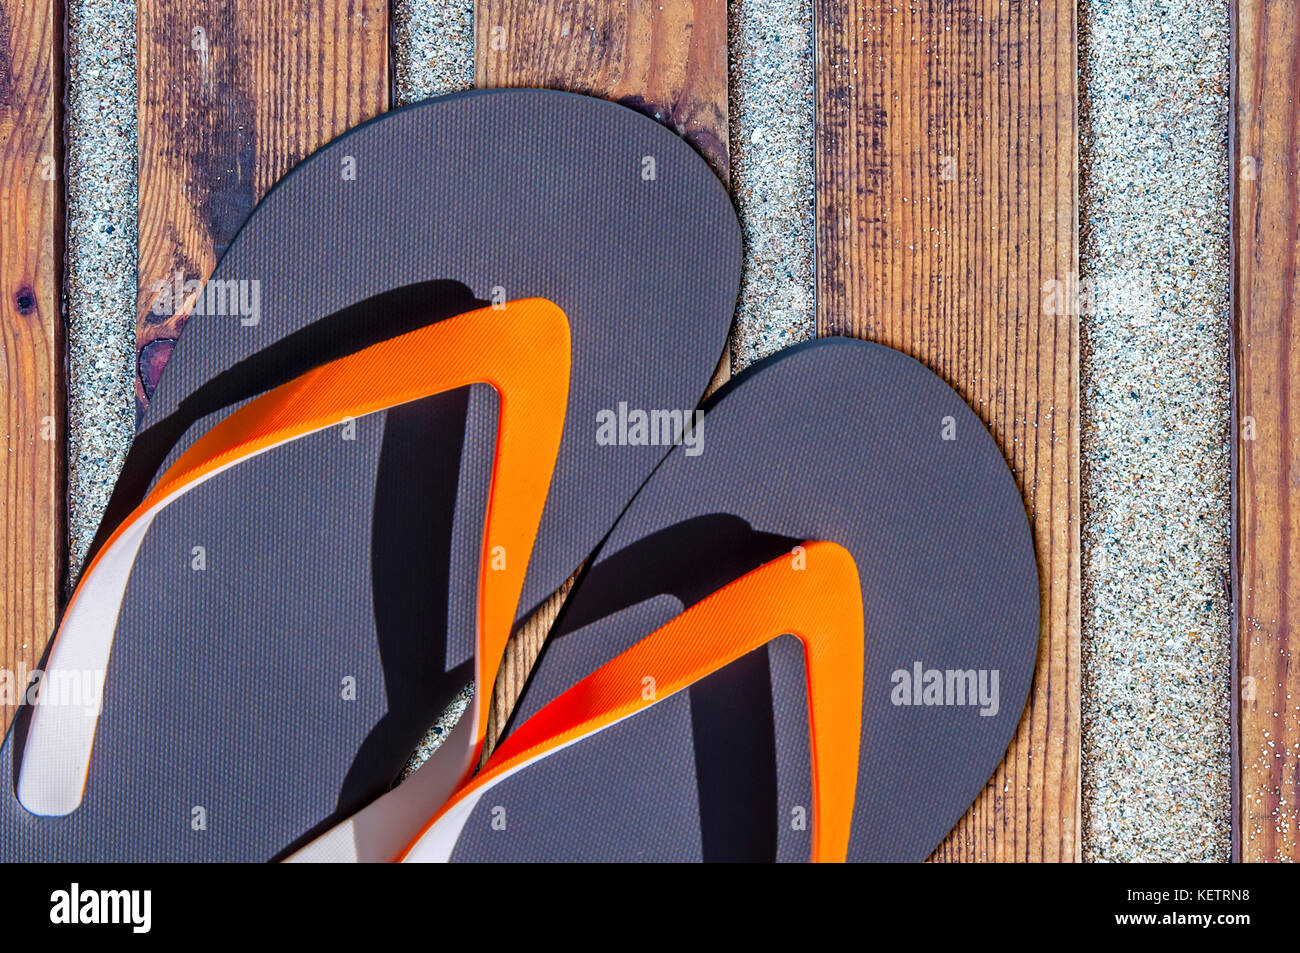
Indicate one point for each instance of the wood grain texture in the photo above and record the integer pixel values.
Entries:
(232, 94)
(32, 517)
(1266, 213)
(665, 58)
(946, 207)
(520, 655)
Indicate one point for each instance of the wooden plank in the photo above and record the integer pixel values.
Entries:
(946, 204)
(32, 517)
(1266, 350)
(666, 58)
(233, 93)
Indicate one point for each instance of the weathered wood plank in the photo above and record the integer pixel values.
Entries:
(946, 205)
(233, 93)
(1266, 209)
(666, 58)
(32, 471)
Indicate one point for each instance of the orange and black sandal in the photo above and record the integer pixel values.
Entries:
(811, 640)
(306, 507)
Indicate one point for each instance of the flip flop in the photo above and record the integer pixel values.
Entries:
(347, 560)
(672, 716)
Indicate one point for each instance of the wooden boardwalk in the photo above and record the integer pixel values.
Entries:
(945, 153)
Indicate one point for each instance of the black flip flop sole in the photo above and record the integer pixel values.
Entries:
(329, 560)
(835, 440)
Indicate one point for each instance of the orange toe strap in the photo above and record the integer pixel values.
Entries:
(815, 596)
(522, 350)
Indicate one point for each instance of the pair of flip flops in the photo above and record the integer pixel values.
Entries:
(463, 358)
